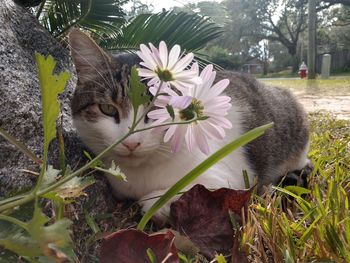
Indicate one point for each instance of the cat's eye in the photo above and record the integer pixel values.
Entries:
(109, 110)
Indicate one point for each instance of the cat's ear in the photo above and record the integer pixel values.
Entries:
(87, 56)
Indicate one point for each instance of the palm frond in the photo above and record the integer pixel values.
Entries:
(191, 31)
(98, 16)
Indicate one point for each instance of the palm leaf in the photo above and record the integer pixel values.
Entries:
(191, 31)
(98, 16)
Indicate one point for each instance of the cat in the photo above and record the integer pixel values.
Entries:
(102, 113)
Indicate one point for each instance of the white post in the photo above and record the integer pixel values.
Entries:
(326, 66)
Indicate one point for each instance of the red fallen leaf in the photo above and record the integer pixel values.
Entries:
(203, 216)
(130, 246)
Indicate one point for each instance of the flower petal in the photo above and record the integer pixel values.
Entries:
(174, 56)
(163, 54)
(218, 88)
(190, 138)
(180, 102)
(146, 56)
(146, 72)
(213, 131)
(155, 55)
(182, 63)
(178, 138)
(158, 114)
(202, 143)
(170, 132)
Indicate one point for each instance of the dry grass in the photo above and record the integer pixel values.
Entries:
(314, 225)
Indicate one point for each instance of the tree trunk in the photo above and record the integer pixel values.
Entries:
(311, 53)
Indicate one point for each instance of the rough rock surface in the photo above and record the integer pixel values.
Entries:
(20, 115)
(20, 109)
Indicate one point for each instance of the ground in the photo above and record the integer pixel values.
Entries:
(331, 95)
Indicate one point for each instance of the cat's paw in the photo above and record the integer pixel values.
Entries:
(298, 177)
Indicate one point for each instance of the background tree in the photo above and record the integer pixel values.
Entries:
(279, 21)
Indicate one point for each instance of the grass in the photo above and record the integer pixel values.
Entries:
(311, 227)
(332, 86)
(281, 74)
(314, 227)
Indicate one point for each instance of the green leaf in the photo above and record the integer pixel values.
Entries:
(201, 168)
(36, 224)
(20, 146)
(100, 17)
(21, 244)
(51, 85)
(287, 257)
(74, 187)
(114, 170)
(190, 31)
(51, 176)
(58, 233)
(151, 256)
(53, 239)
(97, 163)
(171, 112)
(298, 190)
(220, 258)
(137, 91)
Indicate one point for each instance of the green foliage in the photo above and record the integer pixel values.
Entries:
(36, 237)
(51, 85)
(98, 16)
(191, 31)
(201, 168)
(151, 256)
(114, 170)
(222, 57)
(316, 224)
(137, 91)
(220, 259)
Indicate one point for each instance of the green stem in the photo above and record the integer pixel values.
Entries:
(12, 199)
(167, 124)
(20, 146)
(65, 179)
(14, 221)
(82, 169)
(148, 108)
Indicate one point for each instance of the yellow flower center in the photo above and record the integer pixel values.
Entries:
(195, 109)
(164, 74)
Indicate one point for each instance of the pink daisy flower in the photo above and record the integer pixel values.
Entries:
(168, 67)
(204, 101)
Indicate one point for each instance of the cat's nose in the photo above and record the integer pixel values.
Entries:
(131, 146)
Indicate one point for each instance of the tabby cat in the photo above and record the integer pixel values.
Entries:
(102, 113)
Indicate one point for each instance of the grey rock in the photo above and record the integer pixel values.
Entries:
(20, 107)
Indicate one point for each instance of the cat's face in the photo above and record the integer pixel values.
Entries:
(101, 109)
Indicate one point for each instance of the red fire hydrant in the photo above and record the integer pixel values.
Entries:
(303, 70)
